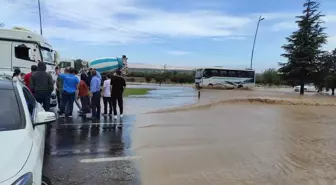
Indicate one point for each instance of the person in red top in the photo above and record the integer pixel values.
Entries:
(27, 77)
(83, 94)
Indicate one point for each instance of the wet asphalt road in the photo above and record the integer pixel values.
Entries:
(73, 143)
(79, 151)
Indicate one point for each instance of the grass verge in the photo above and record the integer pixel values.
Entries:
(136, 91)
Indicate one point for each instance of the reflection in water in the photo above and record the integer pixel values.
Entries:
(238, 144)
(87, 139)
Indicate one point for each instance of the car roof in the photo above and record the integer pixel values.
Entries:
(6, 84)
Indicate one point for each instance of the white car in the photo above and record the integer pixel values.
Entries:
(22, 136)
(7, 75)
(307, 88)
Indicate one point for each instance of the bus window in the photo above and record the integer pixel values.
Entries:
(223, 73)
(249, 74)
(207, 73)
(232, 74)
(240, 74)
(215, 72)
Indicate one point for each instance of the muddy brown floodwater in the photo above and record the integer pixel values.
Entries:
(244, 143)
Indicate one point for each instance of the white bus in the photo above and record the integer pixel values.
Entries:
(225, 78)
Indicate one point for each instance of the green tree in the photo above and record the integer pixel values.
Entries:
(330, 77)
(148, 78)
(271, 77)
(259, 78)
(303, 48)
(159, 78)
(323, 71)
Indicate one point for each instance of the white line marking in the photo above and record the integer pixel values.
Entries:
(110, 159)
(79, 124)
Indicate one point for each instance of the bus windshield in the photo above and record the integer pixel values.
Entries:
(198, 74)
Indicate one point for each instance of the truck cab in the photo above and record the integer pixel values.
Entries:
(22, 48)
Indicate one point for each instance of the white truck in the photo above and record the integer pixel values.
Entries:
(21, 48)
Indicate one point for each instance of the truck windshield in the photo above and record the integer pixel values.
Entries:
(48, 56)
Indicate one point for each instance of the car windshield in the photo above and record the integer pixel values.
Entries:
(9, 114)
(5, 77)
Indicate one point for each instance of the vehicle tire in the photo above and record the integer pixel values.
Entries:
(305, 89)
(240, 86)
(45, 181)
(210, 85)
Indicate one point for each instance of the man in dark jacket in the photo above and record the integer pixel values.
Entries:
(118, 84)
(42, 85)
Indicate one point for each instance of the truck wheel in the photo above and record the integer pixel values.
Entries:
(45, 181)
(240, 86)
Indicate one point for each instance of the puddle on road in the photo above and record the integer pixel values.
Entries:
(160, 97)
(240, 143)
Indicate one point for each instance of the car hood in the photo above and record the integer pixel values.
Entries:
(15, 149)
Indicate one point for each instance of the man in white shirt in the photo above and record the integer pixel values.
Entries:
(107, 95)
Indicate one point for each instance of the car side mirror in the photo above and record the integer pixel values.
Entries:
(43, 118)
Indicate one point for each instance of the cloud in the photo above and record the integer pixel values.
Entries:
(178, 52)
(122, 21)
(286, 21)
(285, 25)
(331, 45)
(229, 38)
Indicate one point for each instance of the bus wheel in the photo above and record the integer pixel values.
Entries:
(210, 85)
(240, 86)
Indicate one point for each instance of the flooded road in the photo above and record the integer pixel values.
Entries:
(242, 143)
(223, 138)
(79, 151)
(161, 97)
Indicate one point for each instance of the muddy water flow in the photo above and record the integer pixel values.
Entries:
(245, 143)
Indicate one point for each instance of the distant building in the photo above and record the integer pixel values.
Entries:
(138, 67)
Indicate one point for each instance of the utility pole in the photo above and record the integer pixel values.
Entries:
(39, 6)
(255, 38)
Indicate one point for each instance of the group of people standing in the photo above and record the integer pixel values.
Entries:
(87, 88)
(70, 87)
(39, 82)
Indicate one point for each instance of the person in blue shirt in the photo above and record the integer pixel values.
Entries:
(95, 99)
(70, 88)
(98, 74)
